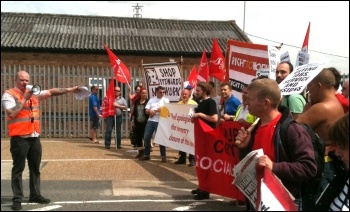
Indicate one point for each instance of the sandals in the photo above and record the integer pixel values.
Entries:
(95, 142)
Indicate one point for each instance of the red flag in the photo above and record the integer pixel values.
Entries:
(121, 72)
(203, 70)
(306, 40)
(217, 62)
(107, 105)
(192, 78)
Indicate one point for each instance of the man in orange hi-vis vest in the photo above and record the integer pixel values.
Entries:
(22, 109)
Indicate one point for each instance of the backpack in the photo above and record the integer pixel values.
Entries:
(310, 189)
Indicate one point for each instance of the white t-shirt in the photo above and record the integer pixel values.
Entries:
(155, 103)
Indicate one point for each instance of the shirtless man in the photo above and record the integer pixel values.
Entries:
(325, 107)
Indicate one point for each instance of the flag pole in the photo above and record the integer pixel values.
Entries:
(227, 78)
(143, 75)
(182, 72)
(127, 82)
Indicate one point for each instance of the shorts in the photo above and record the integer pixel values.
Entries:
(95, 122)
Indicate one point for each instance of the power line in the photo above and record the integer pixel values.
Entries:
(296, 46)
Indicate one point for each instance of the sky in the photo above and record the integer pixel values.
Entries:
(268, 23)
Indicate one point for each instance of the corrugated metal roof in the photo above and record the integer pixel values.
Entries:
(72, 32)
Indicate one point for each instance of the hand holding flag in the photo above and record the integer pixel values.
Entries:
(121, 72)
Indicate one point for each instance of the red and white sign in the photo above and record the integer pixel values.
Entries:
(243, 61)
(272, 195)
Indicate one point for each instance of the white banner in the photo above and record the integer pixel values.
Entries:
(163, 74)
(175, 129)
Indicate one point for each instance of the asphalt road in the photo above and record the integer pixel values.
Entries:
(81, 176)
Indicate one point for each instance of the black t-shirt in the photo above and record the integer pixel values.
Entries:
(208, 107)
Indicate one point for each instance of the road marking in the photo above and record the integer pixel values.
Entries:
(183, 208)
(136, 200)
(186, 208)
(47, 208)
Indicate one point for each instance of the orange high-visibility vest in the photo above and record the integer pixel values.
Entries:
(22, 124)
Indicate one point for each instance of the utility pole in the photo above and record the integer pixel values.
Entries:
(244, 18)
(137, 8)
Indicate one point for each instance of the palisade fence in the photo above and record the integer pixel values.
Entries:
(64, 116)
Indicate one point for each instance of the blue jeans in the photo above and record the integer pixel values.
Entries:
(151, 127)
(110, 126)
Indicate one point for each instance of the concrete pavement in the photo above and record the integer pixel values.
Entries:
(82, 161)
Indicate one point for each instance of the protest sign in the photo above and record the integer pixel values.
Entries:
(285, 57)
(263, 189)
(299, 78)
(243, 61)
(166, 75)
(302, 58)
(272, 195)
(263, 72)
(274, 59)
(245, 175)
(175, 129)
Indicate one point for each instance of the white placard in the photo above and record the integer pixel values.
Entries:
(300, 77)
(285, 57)
(302, 58)
(163, 74)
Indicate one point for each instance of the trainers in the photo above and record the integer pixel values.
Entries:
(144, 158)
(192, 163)
(16, 205)
(107, 147)
(40, 199)
(180, 162)
(195, 191)
(201, 196)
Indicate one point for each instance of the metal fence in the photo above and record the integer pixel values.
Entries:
(64, 116)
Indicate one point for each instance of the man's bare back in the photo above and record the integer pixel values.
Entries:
(320, 115)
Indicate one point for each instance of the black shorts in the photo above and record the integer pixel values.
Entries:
(95, 122)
